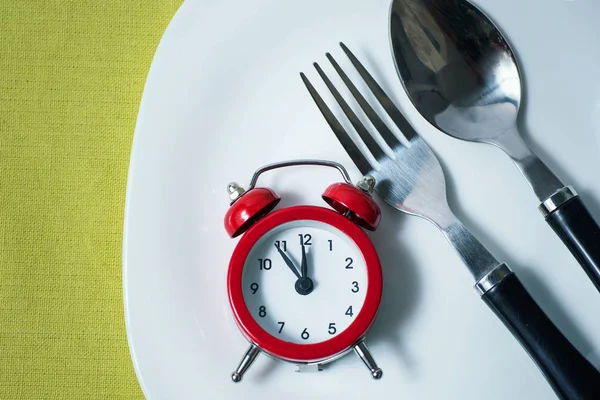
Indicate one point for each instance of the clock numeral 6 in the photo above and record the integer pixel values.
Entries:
(262, 311)
(332, 329)
(254, 287)
(355, 288)
(265, 264)
(305, 239)
(305, 334)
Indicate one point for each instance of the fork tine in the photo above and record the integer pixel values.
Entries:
(354, 152)
(380, 126)
(388, 105)
(362, 131)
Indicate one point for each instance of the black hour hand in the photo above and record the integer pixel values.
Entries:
(288, 262)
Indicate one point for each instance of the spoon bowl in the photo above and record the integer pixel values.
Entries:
(459, 72)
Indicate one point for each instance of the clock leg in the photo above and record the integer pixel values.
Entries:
(364, 353)
(251, 354)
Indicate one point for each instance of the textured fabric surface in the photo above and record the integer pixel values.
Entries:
(71, 78)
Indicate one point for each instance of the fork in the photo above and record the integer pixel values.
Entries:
(411, 180)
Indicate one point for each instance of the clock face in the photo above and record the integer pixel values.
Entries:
(304, 309)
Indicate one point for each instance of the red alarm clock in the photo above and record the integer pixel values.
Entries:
(304, 282)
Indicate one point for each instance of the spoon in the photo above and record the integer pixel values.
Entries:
(462, 76)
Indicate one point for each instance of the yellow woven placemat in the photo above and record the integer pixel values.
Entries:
(71, 78)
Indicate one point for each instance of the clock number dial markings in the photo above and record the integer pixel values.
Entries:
(349, 262)
(349, 312)
(305, 335)
(305, 239)
(332, 330)
(311, 316)
(265, 264)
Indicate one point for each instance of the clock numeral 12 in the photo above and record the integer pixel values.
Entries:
(305, 239)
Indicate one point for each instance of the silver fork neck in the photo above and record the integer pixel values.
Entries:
(478, 260)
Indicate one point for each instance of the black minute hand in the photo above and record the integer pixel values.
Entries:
(303, 264)
(288, 262)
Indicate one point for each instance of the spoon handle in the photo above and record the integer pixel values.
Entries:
(570, 375)
(569, 218)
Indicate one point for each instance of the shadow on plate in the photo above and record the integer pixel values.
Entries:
(401, 286)
(265, 369)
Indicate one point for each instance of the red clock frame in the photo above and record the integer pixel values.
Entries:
(316, 351)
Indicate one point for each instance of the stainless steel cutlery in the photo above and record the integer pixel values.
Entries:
(462, 76)
(410, 179)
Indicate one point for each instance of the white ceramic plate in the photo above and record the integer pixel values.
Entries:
(223, 97)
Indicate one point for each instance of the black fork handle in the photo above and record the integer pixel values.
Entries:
(571, 376)
(575, 226)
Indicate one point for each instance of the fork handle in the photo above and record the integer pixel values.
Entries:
(570, 375)
(573, 223)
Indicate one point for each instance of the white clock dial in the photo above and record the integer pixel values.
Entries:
(335, 266)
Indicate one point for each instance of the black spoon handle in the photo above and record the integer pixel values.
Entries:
(578, 230)
(570, 375)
